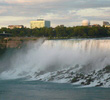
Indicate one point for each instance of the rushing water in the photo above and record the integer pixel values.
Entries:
(54, 55)
(50, 56)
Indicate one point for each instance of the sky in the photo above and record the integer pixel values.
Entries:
(59, 12)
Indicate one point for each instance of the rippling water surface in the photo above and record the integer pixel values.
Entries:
(37, 90)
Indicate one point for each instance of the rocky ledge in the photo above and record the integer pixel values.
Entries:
(74, 75)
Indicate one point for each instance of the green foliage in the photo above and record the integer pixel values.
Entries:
(59, 32)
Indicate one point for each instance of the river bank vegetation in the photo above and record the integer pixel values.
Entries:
(59, 32)
(22, 35)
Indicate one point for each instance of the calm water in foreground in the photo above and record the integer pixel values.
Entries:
(36, 90)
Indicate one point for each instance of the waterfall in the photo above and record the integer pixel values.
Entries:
(54, 55)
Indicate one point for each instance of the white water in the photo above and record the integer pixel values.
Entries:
(53, 55)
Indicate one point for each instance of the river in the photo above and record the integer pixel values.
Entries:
(37, 90)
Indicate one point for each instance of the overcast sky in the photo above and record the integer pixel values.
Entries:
(67, 12)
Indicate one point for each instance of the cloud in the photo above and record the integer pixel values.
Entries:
(11, 20)
(28, 1)
(68, 12)
(2, 11)
(94, 12)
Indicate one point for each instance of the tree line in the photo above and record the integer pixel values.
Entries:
(59, 31)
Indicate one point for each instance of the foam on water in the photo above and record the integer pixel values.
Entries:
(53, 55)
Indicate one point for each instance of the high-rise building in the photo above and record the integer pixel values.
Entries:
(39, 23)
(15, 26)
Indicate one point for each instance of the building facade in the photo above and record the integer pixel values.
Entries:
(96, 25)
(15, 26)
(40, 23)
(85, 23)
(105, 23)
(107, 26)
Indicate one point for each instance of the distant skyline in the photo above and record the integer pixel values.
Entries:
(66, 12)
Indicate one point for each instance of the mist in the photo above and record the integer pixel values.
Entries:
(53, 55)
